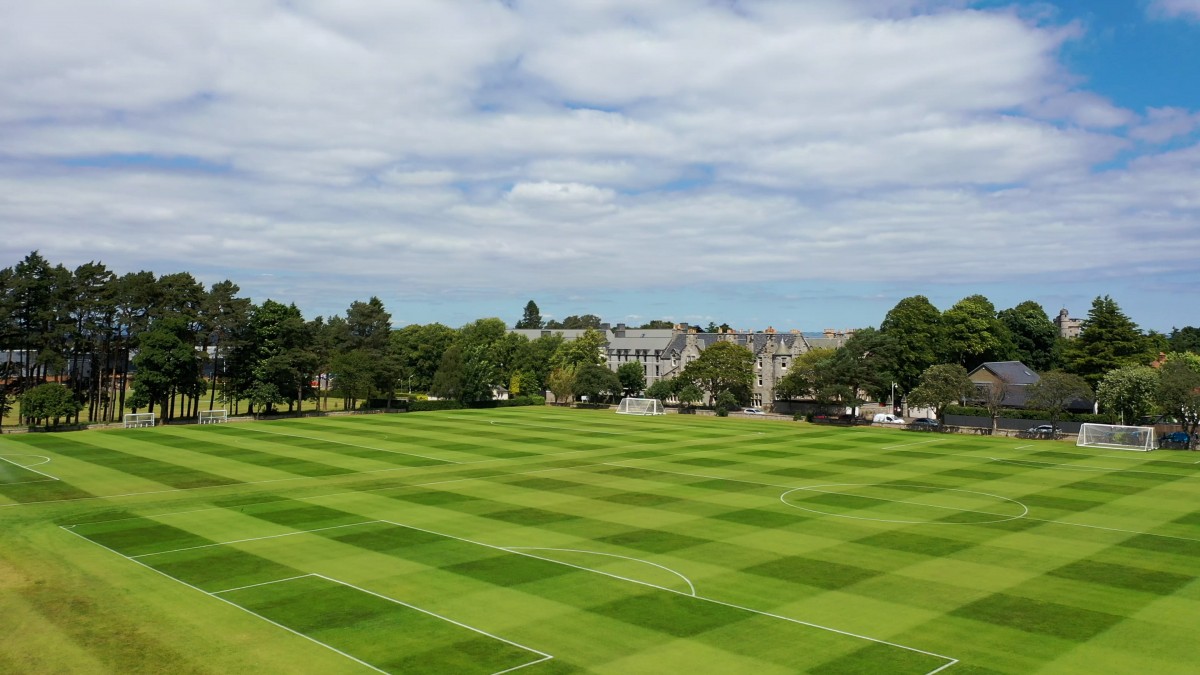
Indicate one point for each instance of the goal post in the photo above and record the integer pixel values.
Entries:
(134, 420)
(640, 406)
(1116, 437)
(213, 416)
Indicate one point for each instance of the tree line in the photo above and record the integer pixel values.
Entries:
(140, 341)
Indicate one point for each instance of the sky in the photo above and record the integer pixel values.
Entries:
(799, 164)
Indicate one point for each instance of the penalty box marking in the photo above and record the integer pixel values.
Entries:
(542, 656)
(950, 661)
(46, 477)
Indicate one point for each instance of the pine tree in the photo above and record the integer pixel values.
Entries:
(532, 317)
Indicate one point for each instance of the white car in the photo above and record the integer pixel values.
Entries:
(753, 411)
(884, 418)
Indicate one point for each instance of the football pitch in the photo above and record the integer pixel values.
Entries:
(544, 540)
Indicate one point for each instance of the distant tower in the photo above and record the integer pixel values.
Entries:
(1068, 328)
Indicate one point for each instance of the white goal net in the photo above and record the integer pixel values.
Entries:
(133, 420)
(640, 406)
(1116, 437)
(213, 416)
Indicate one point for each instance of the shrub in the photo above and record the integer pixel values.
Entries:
(1031, 415)
(430, 406)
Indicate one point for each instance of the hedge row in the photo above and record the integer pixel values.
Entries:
(428, 406)
(1032, 415)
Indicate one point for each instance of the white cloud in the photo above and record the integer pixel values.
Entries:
(1187, 9)
(1163, 124)
(428, 145)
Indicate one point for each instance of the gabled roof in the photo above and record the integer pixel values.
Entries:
(1011, 372)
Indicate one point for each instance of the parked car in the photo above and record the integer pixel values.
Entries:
(1044, 431)
(753, 411)
(884, 418)
(1176, 439)
(925, 424)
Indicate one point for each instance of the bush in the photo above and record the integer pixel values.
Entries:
(725, 402)
(1030, 415)
(430, 406)
(516, 401)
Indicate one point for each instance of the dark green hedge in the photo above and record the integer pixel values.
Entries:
(427, 406)
(511, 403)
(1032, 415)
(430, 406)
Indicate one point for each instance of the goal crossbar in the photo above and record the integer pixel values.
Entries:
(640, 406)
(1117, 437)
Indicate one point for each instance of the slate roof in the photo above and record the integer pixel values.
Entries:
(1012, 372)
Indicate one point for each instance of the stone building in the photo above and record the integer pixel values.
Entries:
(1068, 327)
(664, 353)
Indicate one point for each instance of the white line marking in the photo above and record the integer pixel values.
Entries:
(544, 655)
(1004, 516)
(354, 445)
(265, 583)
(233, 604)
(532, 458)
(1033, 463)
(339, 494)
(691, 588)
(698, 597)
(242, 541)
(47, 478)
(214, 594)
(44, 458)
(906, 445)
(1113, 529)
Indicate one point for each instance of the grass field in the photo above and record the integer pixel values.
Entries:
(552, 541)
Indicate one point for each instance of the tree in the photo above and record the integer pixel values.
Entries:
(1108, 340)
(224, 315)
(596, 382)
(1034, 335)
(861, 366)
(584, 350)
(354, 375)
(1186, 339)
(993, 395)
(688, 394)
(448, 380)
(575, 322)
(808, 374)
(275, 347)
(48, 403)
(973, 334)
(369, 326)
(540, 356)
(532, 318)
(1128, 392)
(632, 376)
(167, 363)
(419, 350)
(914, 329)
(722, 366)
(561, 383)
(662, 389)
(724, 403)
(940, 386)
(658, 324)
(1179, 392)
(1055, 392)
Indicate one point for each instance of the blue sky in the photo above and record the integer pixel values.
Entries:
(789, 163)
